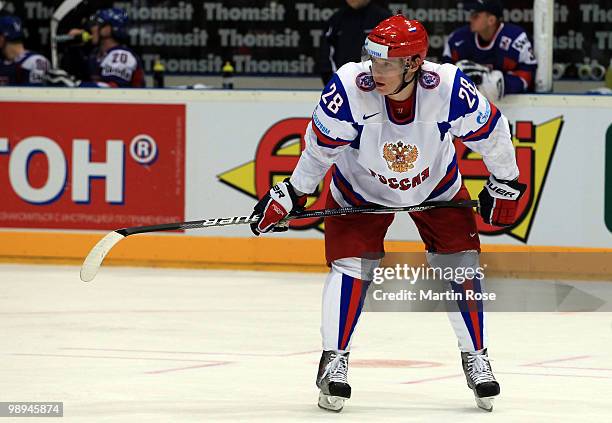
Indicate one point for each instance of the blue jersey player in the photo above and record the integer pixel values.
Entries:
(111, 63)
(19, 66)
(496, 55)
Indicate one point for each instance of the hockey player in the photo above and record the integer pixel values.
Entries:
(19, 66)
(496, 55)
(386, 126)
(111, 63)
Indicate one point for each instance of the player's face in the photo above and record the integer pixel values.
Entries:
(357, 4)
(481, 21)
(388, 74)
(106, 31)
(477, 21)
(10, 51)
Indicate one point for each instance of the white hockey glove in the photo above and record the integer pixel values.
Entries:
(492, 85)
(61, 78)
(473, 70)
(489, 82)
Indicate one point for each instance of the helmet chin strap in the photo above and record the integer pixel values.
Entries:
(405, 83)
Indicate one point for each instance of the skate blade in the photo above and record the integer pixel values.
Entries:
(486, 403)
(330, 402)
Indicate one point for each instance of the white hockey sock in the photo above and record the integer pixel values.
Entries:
(343, 297)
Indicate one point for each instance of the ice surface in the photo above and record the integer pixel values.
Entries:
(170, 345)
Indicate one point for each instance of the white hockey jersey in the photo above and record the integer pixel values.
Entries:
(377, 159)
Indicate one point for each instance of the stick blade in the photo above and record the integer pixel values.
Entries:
(94, 259)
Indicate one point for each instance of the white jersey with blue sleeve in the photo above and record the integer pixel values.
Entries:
(331, 130)
(480, 125)
(379, 158)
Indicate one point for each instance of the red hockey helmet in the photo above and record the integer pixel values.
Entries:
(397, 36)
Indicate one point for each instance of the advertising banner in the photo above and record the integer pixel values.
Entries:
(91, 166)
(198, 155)
(560, 159)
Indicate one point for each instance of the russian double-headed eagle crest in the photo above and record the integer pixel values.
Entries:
(400, 156)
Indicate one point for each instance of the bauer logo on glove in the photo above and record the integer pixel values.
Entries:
(275, 206)
(499, 201)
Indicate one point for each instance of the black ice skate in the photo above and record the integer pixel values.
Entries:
(480, 378)
(332, 380)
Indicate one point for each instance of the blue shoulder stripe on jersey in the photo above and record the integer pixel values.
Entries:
(334, 101)
(464, 100)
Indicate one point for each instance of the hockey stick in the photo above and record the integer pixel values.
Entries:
(94, 259)
(59, 14)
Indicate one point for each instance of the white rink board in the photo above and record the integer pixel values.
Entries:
(223, 131)
(570, 211)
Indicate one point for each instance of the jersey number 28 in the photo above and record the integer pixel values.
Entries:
(336, 101)
(467, 92)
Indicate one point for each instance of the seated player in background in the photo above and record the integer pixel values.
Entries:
(496, 55)
(19, 66)
(111, 63)
(385, 127)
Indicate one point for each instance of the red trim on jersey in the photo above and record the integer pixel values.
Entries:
(346, 191)
(327, 140)
(492, 42)
(405, 117)
(526, 76)
(402, 111)
(449, 175)
(138, 80)
(508, 64)
(455, 55)
(486, 127)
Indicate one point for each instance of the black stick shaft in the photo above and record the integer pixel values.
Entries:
(241, 220)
